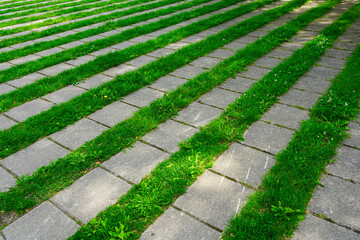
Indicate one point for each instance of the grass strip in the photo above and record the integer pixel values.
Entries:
(50, 121)
(102, 7)
(79, 24)
(105, 28)
(39, 10)
(147, 200)
(298, 169)
(45, 182)
(104, 62)
(66, 18)
(22, 3)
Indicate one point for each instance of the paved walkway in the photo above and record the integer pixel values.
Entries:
(204, 210)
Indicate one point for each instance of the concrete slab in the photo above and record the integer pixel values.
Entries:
(198, 114)
(267, 62)
(238, 84)
(244, 164)
(64, 94)
(143, 97)
(55, 70)
(347, 165)
(213, 199)
(95, 81)
(337, 53)
(6, 122)
(6, 180)
(43, 222)
(222, 53)
(29, 109)
(299, 98)
(206, 62)
(354, 140)
(254, 72)
(28, 160)
(113, 113)
(312, 84)
(285, 116)
(337, 63)
(169, 134)
(188, 72)
(219, 97)
(76, 135)
(136, 162)
(320, 229)
(119, 70)
(176, 225)
(322, 72)
(141, 61)
(81, 60)
(267, 137)
(338, 200)
(168, 83)
(27, 79)
(91, 194)
(5, 88)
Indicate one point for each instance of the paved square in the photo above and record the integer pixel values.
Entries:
(198, 114)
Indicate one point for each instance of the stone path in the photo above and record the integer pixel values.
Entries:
(204, 210)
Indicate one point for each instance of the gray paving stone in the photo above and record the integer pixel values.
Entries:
(71, 45)
(235, 46)
(22, 45)
(254, 72)
(162, 52)
(219, 97)
(299, 98)
(198, 114)
(206, 62)
(257, 33)
(48, 38)
(344, 45)
(5, 88)
(143, 97)
(285, 116)
(157, 33)
(347, 165)
(64, 94)
(141, 61)
(6, 180)
(27, 79)
(300, 39)
(177, 45)
(119, 70)
(188, 72)
(22, 112)
(103, 51)
(123, 45)
(267, 62)
(213, 199)
(193, 39)
(110, 33)
(28, 160)
(238, 84)
(244, 164)
(338, 200)
(279, 53)
(81, 60)
(50, 51)
(168, 83)
(25, 59)
(136, 162)
(322, 72)
(222, 53)
(67, 33)
(337, 53)
(91, 39)
(316, 228)
(247, 39)
(5, 65)
(95, 81)
(6, 123)
(312, 84)
(267, 137)
(354, 141)
(91, 194)
(76, 135)
(332, 62)
(55, 70)
(142, 39)
(113, 113)
(291, 46)
(43, 222)
(169, 134)
(176, 225)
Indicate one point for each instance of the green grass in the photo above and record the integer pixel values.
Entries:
(103, 7)
(22, 3)
(83, 23)
(300, 166)
(102, 63)
(35, 10)
(45, 182)
(50, 121)
(147, 200)
(107, 27)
